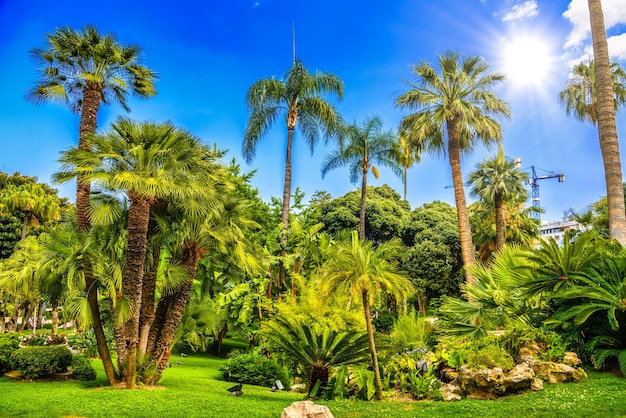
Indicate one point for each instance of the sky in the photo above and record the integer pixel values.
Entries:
(208, 53)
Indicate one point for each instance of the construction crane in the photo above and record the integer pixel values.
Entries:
(535, 187)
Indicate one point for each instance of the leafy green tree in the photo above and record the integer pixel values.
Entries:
(386, 214)
(496, 181)
(358, 269)
(362, 147)
(299, 97)
(595, 94)
(85, 69)
(457, 100)
(433, 260)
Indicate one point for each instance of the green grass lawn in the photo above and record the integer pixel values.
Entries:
(192, 389)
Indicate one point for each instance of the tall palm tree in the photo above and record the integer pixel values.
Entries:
(299, 97)
(358, 269)
(146, 161)
(581, 97)
(497, 180)
(407, 156)
(458, 101)
(361, 146)
(85, 69)
(32, 201)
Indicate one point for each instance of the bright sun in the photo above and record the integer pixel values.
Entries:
(527, 61)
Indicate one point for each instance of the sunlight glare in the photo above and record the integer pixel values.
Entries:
(527, 61)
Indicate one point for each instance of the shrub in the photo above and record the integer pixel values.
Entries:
(253, 369)
(488, 357)
(412, 331)
(34, 362)
(8, 344)
(83, 370)
(384, 322)
(88, 345)
(42, 339)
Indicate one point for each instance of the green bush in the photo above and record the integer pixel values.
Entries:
(87, 344)
(83, 370)
(384, 322)
(34, 362)
(8, 344)
(253, 369)
(488, 357)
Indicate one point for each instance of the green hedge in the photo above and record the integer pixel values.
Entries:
(253, 369)
(83, 370)
(34, 362)
(8, 344)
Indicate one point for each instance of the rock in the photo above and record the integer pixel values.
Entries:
(519, 378)
(481, 394)
(557, 372)
(537, 384)
(298, 387)
(571, 359)
(531, 349)
(450, 392)
(306, 409)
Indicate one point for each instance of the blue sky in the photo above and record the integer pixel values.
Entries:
(207, 54)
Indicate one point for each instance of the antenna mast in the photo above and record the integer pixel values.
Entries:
(293, 41)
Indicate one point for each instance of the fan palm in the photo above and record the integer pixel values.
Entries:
(146, 161)
(32, 201)
(361, 146)
(407, 156)
(316, 348)
(358, 269)
(85, 69)
(497, 180)
(458, 101)
(299, 98)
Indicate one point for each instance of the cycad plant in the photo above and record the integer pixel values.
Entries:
(315, 348)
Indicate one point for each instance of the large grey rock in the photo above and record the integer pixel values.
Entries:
(306, 409)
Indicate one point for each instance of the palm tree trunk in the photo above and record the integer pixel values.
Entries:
(87, 126)
(499, 222)
(146, 315)
(362, 209)
(370, 337)
(163, 349)
(40, 309)
(55, 317)
(218, 338)
(138, 217)
(25, 223)
(465, 233)
(404, 180)
(607, 129)
(284, 215)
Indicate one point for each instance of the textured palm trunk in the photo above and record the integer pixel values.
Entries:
(163, 347)
(607, 129)
(499, 222)
(40, 308)
(370, 338)
(218, 338)
(55, 317)
(132, 278)
(157, 324)
(146, 315)
(404, 180)
(88, 124)
(25, 223)
(465, 233)
(319, 373)
(362, 208)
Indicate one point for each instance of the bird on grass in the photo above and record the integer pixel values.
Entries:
(236, 390)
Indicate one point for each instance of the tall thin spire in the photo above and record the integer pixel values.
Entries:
(293, 41)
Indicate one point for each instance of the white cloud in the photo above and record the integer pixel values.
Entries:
(578, 14)
(522, 11)
(617, 46)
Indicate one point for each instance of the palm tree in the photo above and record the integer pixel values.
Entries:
(316, 348)
(85, 69)
(458, 101)
(358, 269)
(299, 98)
(497, 180)
(360, 147)
(581, 98)
(32, 201)
(146, 161)
(407, 156)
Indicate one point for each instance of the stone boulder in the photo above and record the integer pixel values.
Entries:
(571, 359)
(519, 378)
(450, 392)
(537, 384)
(306, 409)
(557, 372)
(493, 383)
